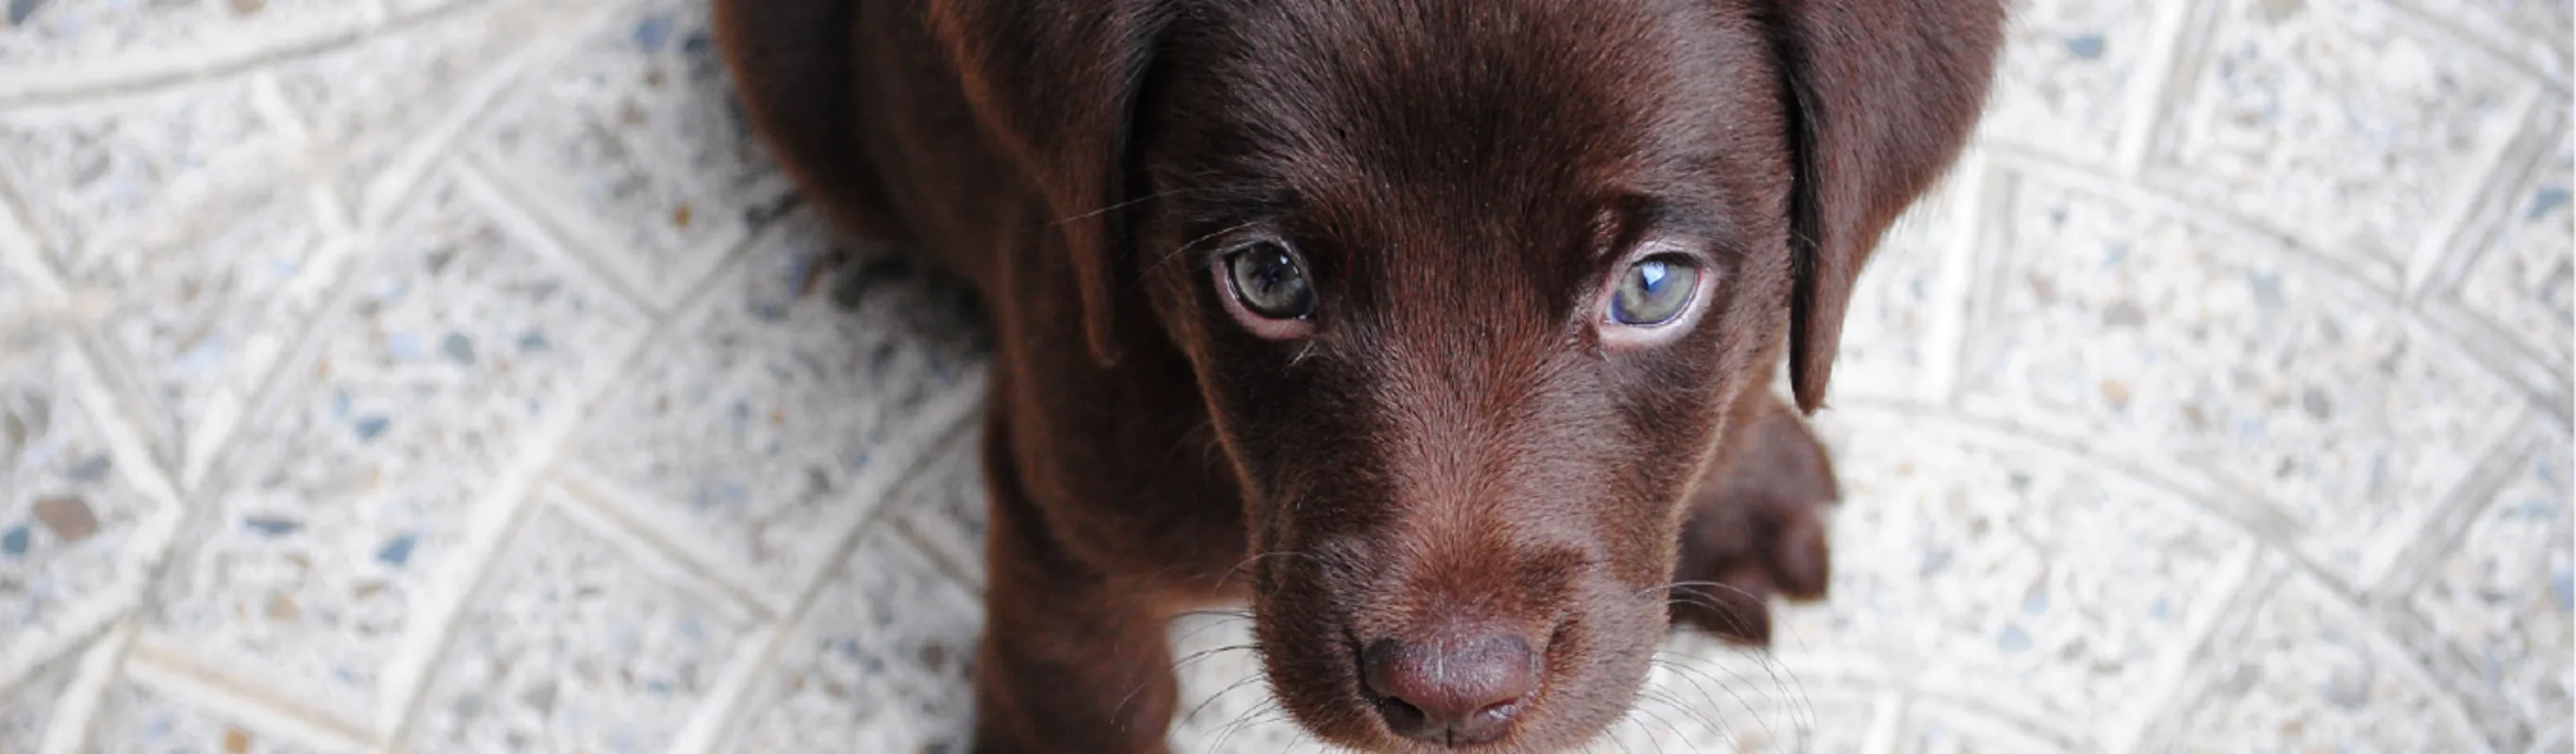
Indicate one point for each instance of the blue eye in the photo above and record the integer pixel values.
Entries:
(1268, 281)
(1653, 292)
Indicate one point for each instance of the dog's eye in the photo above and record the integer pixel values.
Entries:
(1653, 292)
(1268, 281)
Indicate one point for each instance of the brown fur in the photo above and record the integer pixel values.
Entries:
(1452, 458)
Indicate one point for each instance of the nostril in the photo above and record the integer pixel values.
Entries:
(1452, 692)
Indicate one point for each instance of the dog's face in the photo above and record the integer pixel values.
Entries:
(1465, 288)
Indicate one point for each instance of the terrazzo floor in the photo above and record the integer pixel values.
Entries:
(426, 375)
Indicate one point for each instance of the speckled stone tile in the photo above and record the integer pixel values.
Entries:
(2034, 581)
(135, 717)
(1225, 704)
(94, 175)
(2504, 594)
(2534, 30)
(2338, 121)
(946, 509)
(574, 647)
(371, 103)
(201, 322)
(635, 144)
(1888, 345)
(879, 663)
(2067, 74)
(2125, 329)
(2525, 280)
(69, 516)
(1938, 728)
(41, 36)
(756, 450)
(346, 496)
(2305, 673)
(27, 709)
(1709, 697)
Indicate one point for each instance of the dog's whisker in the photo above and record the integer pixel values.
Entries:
(1793, 693)
(1256, 715)
(1220, 694)
(1682, 667)
(1203, 654)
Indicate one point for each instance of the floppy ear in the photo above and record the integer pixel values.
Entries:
(1883, 94)
(1056, 82)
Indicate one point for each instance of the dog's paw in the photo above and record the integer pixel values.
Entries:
(1756, 530)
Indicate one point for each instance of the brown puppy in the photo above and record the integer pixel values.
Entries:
(1440, 330)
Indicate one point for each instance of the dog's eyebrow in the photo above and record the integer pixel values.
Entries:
(1639, 217)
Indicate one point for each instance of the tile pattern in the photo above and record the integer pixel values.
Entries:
(427, 375)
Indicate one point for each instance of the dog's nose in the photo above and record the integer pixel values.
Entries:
(1450, 692)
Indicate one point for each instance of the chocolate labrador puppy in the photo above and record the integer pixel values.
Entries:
(1440, 331)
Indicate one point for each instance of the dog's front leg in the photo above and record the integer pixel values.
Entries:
(1073, 660)
(1756, 526)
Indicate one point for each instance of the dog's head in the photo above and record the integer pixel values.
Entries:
(1467, 287)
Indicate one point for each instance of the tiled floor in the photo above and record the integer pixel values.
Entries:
(424, 375)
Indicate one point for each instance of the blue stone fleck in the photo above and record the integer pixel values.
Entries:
(2564, 582)
(2013, 639)
(2267, 290)
(458, 348)
(339, 404)
(91, 470)
(14, 542)
(368, 427)
(275, 527)
(201, 357)
(2549, 198)
(653, 33)
(2086, 46)
(698, 44)
(397, 553)
(20, 10)
(405, 346)
(2161, 609)
(2035, 603)
(533, 342)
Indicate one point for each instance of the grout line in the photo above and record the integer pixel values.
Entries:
(75, 719)
(943, 418)
(2525, 165)
(2448, 325)
(2498, 173)
(2142, 197)
(511, 209)
(269, 101)
(2241, 584)
(941, 559)
(2434, 532)
(592, 501)
(1886, 723)
(2251, 515)
(432, 630)
(2495, 38)
(391, 189)
(160, 664)
(150, 542)
(1956, 284)
(176, 68)
(2144, 105)
(2381, 637)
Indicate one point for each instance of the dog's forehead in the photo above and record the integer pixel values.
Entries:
(1528, 109)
